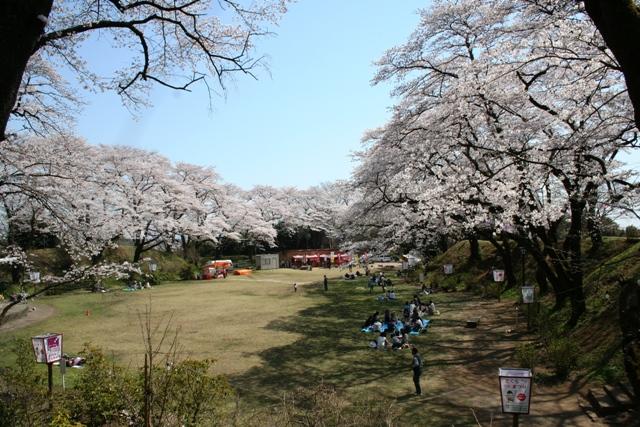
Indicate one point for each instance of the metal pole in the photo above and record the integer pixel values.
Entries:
(50, 377)
(516, 420)
(63, 368)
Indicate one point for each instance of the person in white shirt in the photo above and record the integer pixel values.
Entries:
(381, 341)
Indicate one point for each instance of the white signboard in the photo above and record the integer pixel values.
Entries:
(498, 275)
(515, 390)
(53, 348)
(527, 294)
(38, 349)
(34, 276)
(47, 348)
(448, 269)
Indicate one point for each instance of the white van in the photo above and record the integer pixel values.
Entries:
(381, 258)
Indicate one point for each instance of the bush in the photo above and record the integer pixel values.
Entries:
(187, 273)
(178, 392)
(23, 389)
(527, 356)
(549, 327)
(187, 392)
(563, 355)
(104, 391)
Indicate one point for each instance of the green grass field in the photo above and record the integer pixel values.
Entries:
(269, 340)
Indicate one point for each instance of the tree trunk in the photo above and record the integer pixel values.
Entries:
(443, 243)
(593, 225)
(20, 29)
(509, 271)
(541, 279)
(572, 246)
(504, 251)
(474, 250)
(139, 249)
(629, 306)
(619, 23)
(553, 275)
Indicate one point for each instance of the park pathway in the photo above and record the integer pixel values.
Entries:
(25, 315)
(461, 370)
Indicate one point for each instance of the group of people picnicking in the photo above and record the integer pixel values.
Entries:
(395, 331)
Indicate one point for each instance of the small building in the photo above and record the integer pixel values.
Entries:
(267, 261)
(409, 261)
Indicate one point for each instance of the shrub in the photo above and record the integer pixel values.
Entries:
(562, 353)
(549, 328)
(187, 273)
(23, 389)
(104, 391)
(527, 355)
(187, 392)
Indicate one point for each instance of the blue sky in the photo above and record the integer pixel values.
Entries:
(297, 124)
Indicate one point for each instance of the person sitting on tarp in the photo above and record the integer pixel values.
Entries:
(387, 316)
(371, 320)
(431, 308)
(406, 311)
(381, 341)
(400, 339)
(416, 320)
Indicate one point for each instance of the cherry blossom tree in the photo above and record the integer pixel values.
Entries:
(175, 44)
(505, 123)
(198, 212)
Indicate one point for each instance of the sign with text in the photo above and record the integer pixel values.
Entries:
(498, 275)
(515, 390)
(47, 348)
(448, 269)
(528, 294)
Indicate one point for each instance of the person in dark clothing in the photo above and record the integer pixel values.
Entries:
(375, 316)
(368, 322)
(416, 365)
(326, 283)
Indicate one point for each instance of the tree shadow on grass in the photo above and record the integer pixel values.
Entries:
(332, 349)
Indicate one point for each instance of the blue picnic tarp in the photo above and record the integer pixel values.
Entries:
(398, 325)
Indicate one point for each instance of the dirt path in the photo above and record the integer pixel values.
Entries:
(462, 369)
(25, 315)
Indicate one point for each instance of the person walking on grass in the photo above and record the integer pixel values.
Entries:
(416, 365)
(326, 283)
(295, 287)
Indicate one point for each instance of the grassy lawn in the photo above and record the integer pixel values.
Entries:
(269, 340)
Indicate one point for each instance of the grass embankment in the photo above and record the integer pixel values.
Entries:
(597, 335)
